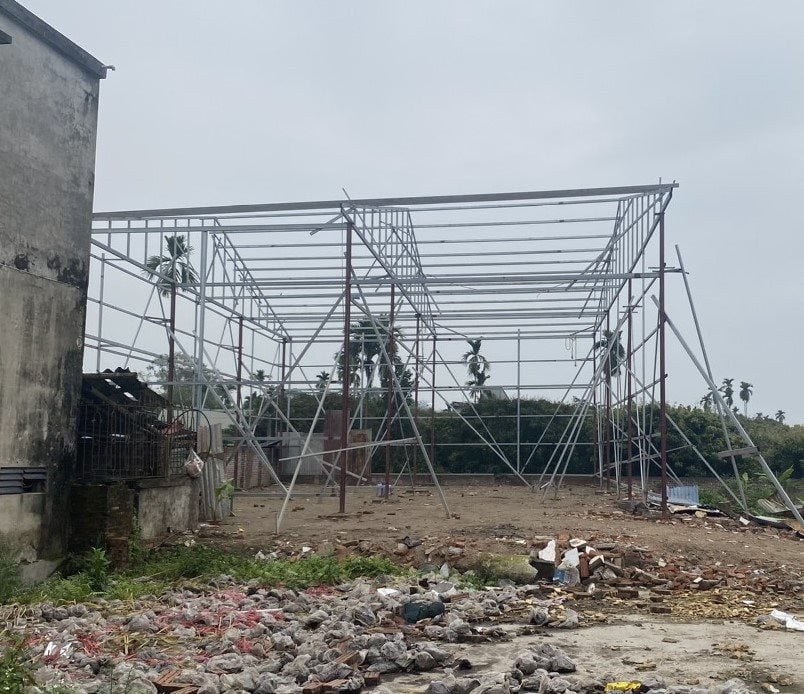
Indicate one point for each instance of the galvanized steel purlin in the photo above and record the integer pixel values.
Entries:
(260, 293)
(279, 268)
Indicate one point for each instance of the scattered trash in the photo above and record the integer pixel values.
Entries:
(787, 620)
(775, 507)
(193, 465)
(567, 572)
(53, 650)
(416, 611)
(389, 592)
(549, 552)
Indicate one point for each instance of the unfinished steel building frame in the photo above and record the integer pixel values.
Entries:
(264, 299)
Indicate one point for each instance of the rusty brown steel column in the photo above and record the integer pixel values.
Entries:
(432, 409)
(598, 457)
(607, 428)
(171, 350)
(347, 322)
(239, 395)
(662, 369)
(629, 388)
(281, 386)
(390, 394)
(416, 400)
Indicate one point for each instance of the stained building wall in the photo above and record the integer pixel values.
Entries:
(48, 117)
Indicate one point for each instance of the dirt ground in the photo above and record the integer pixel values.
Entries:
(710, 636)
(698, 654)
(481, 514)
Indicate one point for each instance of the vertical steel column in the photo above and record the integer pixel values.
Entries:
(239, 395)
(629, 412)
(432, 408)
(171, 347)
(100, 311)
(347, 322)
(662, 369)
(598, 451)
(518, 399)
(416, 398)
(390, 395)
(281, 384)
(200, 386)
(289, 389)
(607, 427)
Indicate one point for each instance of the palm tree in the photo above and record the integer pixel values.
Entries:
(175, 265)
(745, 394)
(728, 391)
(322, 378)
(175, 269)
(365, 348)
(610, 344)
(477, 366)
(706, 402)
(476, 389)
(779, 416)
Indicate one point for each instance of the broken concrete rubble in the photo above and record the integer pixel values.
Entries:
(238, 638)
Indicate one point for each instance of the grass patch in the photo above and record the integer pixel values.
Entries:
(157, 571)
(16, 668)
(10, 579)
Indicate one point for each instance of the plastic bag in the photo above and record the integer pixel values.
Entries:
(193, 465)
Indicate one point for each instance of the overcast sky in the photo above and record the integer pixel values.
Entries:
(259, 101)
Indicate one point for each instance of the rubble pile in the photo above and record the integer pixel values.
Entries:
(240, 637)
(616, 562)
(246, 638)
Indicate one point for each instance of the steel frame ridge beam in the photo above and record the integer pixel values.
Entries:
(336, 205)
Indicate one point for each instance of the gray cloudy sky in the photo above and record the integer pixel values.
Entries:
(259, 101)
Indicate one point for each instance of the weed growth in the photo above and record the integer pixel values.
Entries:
(137, 552)
(16, 669)
(157, 571)
(10, 579)
(95, 566)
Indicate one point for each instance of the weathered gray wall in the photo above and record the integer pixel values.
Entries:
(167, 507)
(48, 117)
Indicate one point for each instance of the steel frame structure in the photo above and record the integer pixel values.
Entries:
(280, 285)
